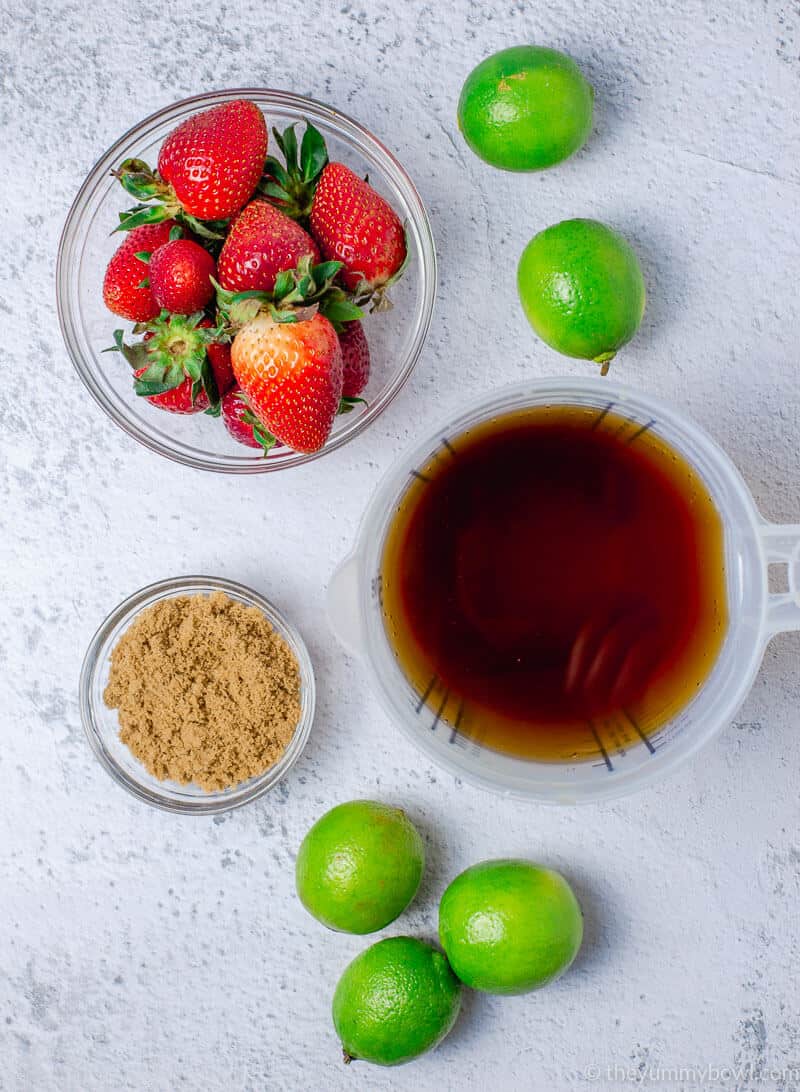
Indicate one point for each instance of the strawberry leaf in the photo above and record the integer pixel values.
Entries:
(266, 439)
(143, 214)
(244, 311)
(324, 272)
(306, 286)
(206, 229)
(147, 390)
(287, 142)
(283, 316)
(313, 153)
(271, 189)
(273, 168)
(291, 186)
(340, 310)
(284, 283)
(209, 382)
(136, 355)
(158, 379)
(347, 405)
(139, 180)
(143, 255)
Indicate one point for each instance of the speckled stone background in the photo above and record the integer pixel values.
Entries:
(143, 951)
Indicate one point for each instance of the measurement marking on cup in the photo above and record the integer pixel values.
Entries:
(446, 443)
(428, 691)
(422, 477)
(639, 732)
(440, 710)
(457, 724)
(640, 432)
(600, 746)
(599, 419)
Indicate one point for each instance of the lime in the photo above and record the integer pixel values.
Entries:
(396, 1000)
(359, 866)
(581, 287)
(525, 108)
(509, 926)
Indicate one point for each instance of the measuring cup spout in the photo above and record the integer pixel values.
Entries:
(781, 543)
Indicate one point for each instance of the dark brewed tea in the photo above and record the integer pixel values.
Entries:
(553, 583)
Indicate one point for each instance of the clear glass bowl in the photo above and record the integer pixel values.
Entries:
(102, 725)
(396, 338)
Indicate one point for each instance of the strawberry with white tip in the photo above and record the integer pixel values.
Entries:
(291, 373)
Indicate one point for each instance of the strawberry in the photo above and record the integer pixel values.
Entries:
(355, 359)
(208, 168)
(291, 373)
(124, 292)
(179, 365)
(213, 160)
(219, 356)
(262, 243)
(243, 425)
(177, 399)
(180, 276)
(354, 225)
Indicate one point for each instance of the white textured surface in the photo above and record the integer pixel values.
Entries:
(143, 951)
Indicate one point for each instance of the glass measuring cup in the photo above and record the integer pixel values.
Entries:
(630, 760)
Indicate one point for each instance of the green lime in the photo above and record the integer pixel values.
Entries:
(396, 1000)
(525, 108)
(509, 926)
(581, 287)
(359, 866)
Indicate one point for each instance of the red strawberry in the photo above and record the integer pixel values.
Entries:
(243, 425)
(353, 224)
(291, 373)
(180, 273)
(122, 289)
(214, 160)
(219, 355)
(261, 243)
(178, 362)
(177, 399)
(355, 359)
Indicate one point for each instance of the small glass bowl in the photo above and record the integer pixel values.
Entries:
(102, 724)
(396, 338)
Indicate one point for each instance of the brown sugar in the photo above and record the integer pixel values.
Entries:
(207, 691)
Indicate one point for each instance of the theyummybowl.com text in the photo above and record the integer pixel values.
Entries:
(778, 1076)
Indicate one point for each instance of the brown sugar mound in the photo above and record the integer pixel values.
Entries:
(207, 691)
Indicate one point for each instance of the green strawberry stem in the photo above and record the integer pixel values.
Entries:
(157, 202)
(260, 433)
(176, 350)
(297, 295)
(290, 186)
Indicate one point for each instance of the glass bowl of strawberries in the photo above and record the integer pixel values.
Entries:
(245, 280)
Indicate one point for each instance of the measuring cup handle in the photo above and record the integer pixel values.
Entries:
(781, 544)
(344, 605)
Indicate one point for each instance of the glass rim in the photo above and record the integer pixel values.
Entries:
(370, 147)
(217, 801)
